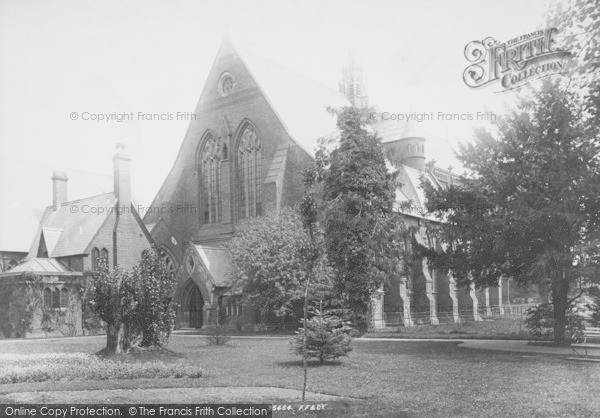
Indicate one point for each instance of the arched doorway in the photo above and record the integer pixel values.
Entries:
(192, 308)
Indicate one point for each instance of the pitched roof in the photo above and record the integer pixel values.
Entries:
(411, 194)
(42, 266)
(300, 102)
(218, 263)
(51, 237)
(69, 230)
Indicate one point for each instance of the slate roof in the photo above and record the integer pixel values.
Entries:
(218, 263)
(300, 102)
(69, 232)
(51, 237)
(276, 164)
(42, 267)
(411, 190)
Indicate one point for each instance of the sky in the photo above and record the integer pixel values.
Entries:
(63, 57)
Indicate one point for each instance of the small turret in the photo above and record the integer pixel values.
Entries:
(410, 150)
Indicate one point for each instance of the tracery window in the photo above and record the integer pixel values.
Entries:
(169, 263)
(211, 156)
(249, 174)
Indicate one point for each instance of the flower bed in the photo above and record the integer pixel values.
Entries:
(16, 368)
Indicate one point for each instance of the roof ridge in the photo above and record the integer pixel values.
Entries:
(271, 62)
(215, 247)
(84, 198)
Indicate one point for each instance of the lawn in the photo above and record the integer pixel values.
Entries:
(378, 378)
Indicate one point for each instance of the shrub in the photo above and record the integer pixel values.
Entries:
(218, 334)
(594, 308)
(328, 338)
(540, 321)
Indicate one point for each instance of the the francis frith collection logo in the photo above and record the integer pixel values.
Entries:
(515, 62)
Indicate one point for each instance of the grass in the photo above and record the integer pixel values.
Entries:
(379, 378)
(495, 329)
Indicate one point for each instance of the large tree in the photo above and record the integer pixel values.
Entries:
(530, 210)
(358, 197)
(136, 305)
(151, 287)
(578, 23)
(111, 302)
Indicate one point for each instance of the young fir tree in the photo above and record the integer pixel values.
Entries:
(325, 337)
(359, 196)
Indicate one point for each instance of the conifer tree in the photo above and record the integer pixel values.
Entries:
(359, 196)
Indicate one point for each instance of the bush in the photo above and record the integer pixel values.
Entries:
(594, 308)
(218, 334)
(540, 321)
(328, 338)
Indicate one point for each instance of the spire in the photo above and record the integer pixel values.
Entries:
(352, 84)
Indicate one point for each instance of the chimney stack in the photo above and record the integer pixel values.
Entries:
(122, 177)
(59, 189)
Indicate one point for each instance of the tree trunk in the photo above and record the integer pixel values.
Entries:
(560, 294)
(114, 337)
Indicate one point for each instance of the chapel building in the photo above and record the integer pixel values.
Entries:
(256, 128)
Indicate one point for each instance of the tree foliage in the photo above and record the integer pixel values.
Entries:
(151, 288)
(136, 306)
(358, 197)
(531, 208)
(540, 321)
(112, 303)
(268, 256)
(327, 338)
(578, 21)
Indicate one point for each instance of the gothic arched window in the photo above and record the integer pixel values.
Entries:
(47, 298)
(166, 258)
(104, 256)
(249, 174)
(64, 298)
(56, 298)
(210, 160)
(95, 258)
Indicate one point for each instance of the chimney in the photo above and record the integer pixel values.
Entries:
(59, 189)
(122, 177)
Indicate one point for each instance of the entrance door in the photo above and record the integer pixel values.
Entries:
(195, 306)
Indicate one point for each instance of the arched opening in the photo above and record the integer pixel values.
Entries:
(249, 173)
(192, 306)
(64, 298)
(95, 258)
(210, 158)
